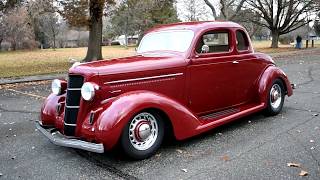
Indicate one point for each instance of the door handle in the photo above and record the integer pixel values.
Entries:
(235, 62)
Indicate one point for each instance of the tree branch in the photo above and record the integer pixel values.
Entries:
(214, 13)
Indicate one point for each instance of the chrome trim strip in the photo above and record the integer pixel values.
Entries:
(73, 107)
(144, 78)
(74, 89)
(58, 139)
(70, 124)
(115, 91)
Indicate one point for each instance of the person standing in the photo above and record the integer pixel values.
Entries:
(299, 42)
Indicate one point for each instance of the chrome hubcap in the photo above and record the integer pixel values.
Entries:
(275, 96)
(143, 131)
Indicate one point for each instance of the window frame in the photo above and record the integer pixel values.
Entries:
(246, 39)
(216, 54)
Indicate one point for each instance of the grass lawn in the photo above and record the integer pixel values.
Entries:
(24, 63)
(264, 46)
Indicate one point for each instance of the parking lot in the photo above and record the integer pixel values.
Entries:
(255, 147)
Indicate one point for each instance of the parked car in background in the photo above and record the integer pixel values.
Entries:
(186, 79)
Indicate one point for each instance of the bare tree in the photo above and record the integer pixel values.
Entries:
(229, 9)
(211, 6)
(50, 26)
(194, 10)
(39, 11)
(62, 37)
(17, 29)
(281, 16)
(2, 29)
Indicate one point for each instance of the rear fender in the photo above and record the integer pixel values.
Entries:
(118, 111)
(266, 80)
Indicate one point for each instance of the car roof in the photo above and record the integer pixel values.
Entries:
(195, 25)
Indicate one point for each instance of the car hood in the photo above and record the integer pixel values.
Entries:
(142, 62)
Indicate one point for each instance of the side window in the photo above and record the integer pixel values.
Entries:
(214, 42)
(242, 41)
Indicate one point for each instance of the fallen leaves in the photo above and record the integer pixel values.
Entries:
(297, 165)
(303, 173)
(293, 165)
(225, 158)
(179, 151)
(158, 155)
(184, 170)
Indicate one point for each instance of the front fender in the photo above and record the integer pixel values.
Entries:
(48, 113)
(120, 110)
(266, 80)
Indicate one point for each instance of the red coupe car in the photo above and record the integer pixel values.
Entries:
(185, 79)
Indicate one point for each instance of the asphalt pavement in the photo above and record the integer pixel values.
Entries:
(255, 147)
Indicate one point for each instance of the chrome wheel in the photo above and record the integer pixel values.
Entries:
(143, 131)
(275, 96)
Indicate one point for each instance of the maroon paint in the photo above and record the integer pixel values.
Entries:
(208, 83)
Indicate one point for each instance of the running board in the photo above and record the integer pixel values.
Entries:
(211, 121)
(219, 114)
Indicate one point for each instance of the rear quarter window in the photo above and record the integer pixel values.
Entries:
(242, 41)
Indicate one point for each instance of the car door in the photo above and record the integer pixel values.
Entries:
(212, 74)
(250, 68)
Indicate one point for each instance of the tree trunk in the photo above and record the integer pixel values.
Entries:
(54, 42)
(94, 51)
(275, 39)
(13, 45)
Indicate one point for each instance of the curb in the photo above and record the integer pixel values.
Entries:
(26, 79)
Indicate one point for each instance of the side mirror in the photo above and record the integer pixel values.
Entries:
(205, 49)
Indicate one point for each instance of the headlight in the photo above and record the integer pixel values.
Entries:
(56, 87)
(88, 91)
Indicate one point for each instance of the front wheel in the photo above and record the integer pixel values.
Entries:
(143, 135)
(276, 96)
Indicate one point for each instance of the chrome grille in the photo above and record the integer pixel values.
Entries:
(75, 83)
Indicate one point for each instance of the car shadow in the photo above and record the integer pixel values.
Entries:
(117, 156)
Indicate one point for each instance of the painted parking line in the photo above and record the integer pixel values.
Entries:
(28, 94)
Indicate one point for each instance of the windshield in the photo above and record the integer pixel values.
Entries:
(175, 40)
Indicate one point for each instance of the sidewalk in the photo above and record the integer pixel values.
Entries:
(31, 78)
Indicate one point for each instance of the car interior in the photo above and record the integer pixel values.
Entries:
(218, 41)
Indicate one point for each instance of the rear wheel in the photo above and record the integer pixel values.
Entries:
(275, 98)
(143, 135)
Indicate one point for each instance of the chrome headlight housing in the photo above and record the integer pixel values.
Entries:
(56, 87)
(88, 91)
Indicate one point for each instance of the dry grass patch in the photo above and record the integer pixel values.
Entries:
(264, 47)
(24, 63)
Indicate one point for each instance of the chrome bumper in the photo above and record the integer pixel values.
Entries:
(58, 139)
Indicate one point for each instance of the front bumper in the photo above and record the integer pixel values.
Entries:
(58, 139)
